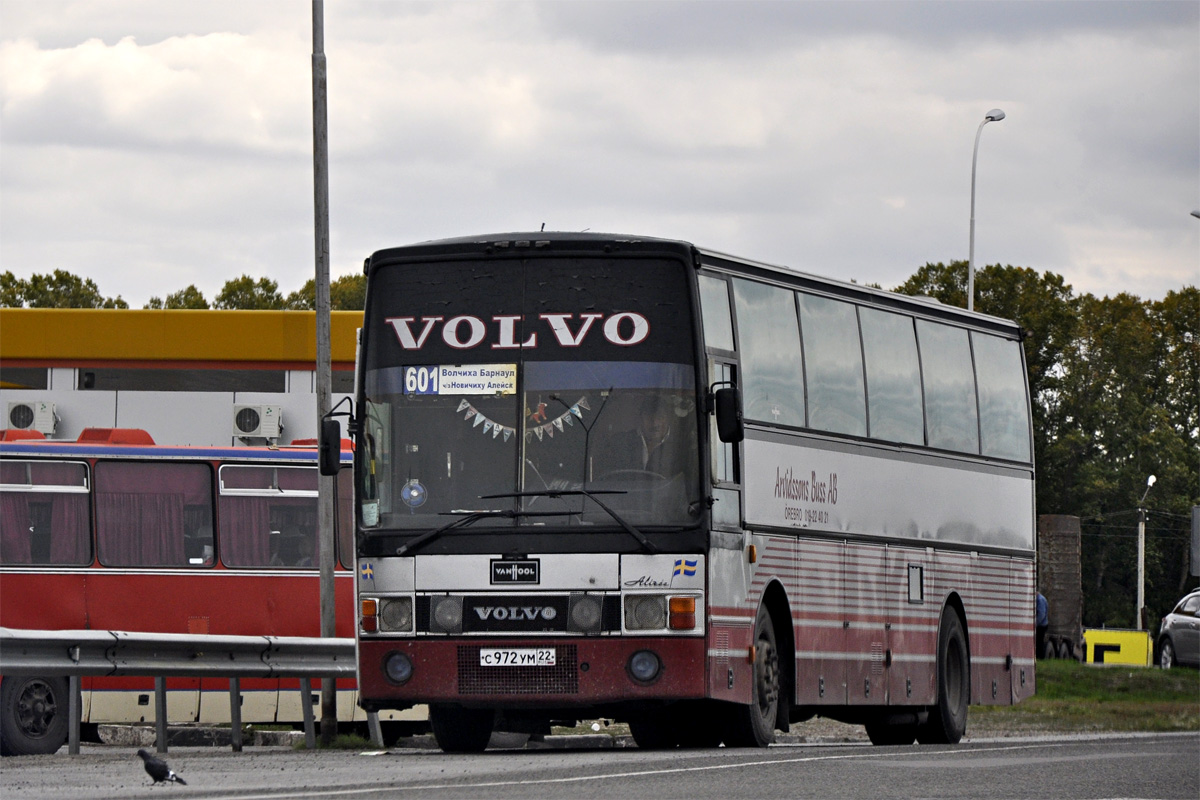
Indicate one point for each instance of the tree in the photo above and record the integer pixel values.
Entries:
(191, 297)
(245, 293)
(60, 289)
(1122, 414)
(347, 293)
(12, 290)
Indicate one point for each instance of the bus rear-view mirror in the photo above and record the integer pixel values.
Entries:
(329, 448)
(729, 415)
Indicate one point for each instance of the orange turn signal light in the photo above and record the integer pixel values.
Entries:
(370, 610)
(682, 616)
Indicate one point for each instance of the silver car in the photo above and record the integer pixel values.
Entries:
(1179, 634)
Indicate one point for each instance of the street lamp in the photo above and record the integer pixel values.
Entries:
(995, 115)
(1141, 557)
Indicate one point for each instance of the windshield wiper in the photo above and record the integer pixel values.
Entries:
(466, 518)
(648, 545)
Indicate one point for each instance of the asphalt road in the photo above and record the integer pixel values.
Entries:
(1058, 767)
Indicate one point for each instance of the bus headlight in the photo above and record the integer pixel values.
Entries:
(445, 614)
(645, 612)
(395, 614)
(584, 613)
(398, 667)
(644, 666)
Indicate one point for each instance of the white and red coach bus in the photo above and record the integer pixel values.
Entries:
(620, 477)
(113, 532)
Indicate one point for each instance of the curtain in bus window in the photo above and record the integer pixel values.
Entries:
(140, 510)
(138, 529)
(15, 538)
(769, 344)
(833, 364)
(245, 531)
(69, 529)
(1003, 412)
(950, 411)
(893, 376)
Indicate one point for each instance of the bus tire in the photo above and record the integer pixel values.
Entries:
(461, 730)
(699, 724)
(33, 715)
(948, 719)
(656, 730)
(885, 730)
(753, 725)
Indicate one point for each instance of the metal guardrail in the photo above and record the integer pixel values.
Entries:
(75, 654)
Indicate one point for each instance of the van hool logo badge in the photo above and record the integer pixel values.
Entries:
(513, 571)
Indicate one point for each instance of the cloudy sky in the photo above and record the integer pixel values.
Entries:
(150, 145)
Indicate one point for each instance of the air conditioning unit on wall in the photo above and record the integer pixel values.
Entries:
(261, 421)
(32, 415)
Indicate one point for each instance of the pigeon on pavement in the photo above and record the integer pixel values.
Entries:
(157, 769)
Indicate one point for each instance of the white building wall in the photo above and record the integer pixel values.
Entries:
(182, 418)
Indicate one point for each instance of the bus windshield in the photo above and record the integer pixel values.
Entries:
(576, 411)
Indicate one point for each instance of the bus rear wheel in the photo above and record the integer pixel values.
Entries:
(948, 719)
(33, 715)
(461, 730)
(753, 725)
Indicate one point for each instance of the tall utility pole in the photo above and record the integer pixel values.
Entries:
(325, 486)
(1141, 557)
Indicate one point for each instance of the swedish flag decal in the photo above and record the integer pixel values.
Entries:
(367, 571)
(685, 566)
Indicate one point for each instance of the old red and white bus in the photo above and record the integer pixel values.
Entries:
(113, 532)
(622, 477)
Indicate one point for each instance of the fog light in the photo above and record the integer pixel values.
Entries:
(644, 666)
(446, 615)
(395, 614)
(398, 667)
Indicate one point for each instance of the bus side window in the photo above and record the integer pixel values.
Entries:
(833, 359)
(951, 413)
(772, 381)
(141, 510)
(1003, 409)
(44, 515)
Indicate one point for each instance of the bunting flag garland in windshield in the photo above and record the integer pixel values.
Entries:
(487, 426)
(478, 420)
(559, 423)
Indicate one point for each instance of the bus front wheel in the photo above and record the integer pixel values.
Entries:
(948, 719)
(753, 725)
(33, 715)
(461, 730)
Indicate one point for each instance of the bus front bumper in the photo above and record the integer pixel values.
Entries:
(584, 672)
